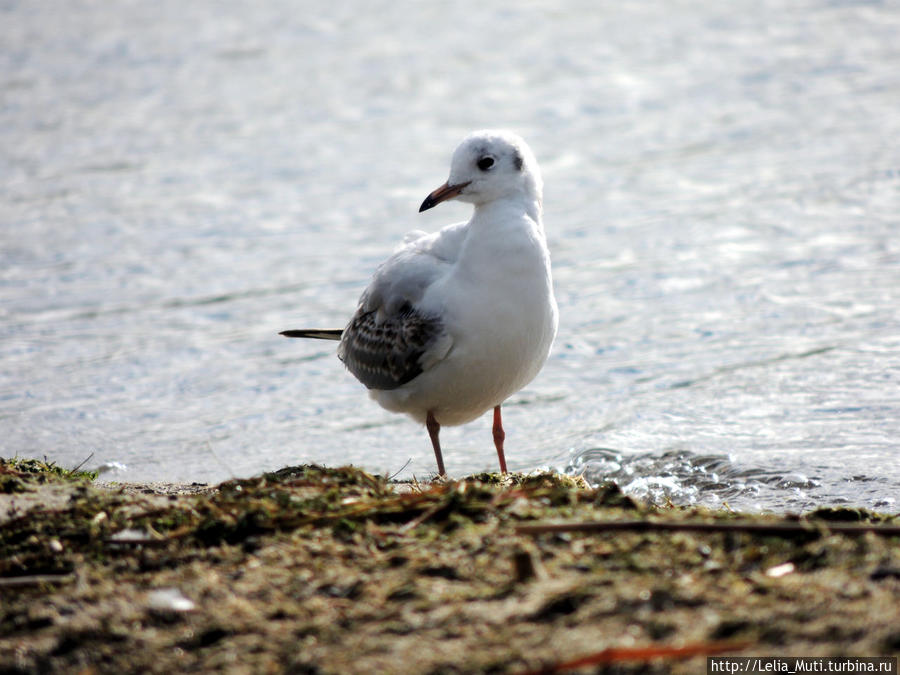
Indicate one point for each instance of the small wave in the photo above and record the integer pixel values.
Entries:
(687, 479)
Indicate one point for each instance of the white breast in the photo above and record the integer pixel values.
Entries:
(497, 303)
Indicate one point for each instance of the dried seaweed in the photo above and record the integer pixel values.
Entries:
(313, 569)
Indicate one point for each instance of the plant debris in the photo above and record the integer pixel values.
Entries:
(18, 475)
(320, 570)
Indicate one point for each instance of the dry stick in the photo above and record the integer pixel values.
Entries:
(783, 529)
(620, 654)
(37, 580)
(407, 500)
(83, 462)
(422, 517)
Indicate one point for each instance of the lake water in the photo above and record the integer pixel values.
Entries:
(180, 181)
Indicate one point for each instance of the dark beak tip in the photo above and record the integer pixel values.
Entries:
(443, 193)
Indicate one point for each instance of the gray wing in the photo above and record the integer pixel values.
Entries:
(387, 353)
(391, 339)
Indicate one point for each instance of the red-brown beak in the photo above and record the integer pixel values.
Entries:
(443, 193)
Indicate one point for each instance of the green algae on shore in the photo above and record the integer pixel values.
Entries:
(311, 569)
(16, 473)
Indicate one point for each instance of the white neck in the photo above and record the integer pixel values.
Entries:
(508, 206)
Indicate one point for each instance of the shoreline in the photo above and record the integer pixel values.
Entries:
(319, 570)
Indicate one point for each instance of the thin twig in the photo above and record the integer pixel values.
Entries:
(620, 654)
(784, 529)
(422, 517)
(36, 580)
(83, 462)
(396, 473)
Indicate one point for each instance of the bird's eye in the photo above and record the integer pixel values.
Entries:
(485, 163)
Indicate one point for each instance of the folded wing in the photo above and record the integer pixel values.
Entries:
(388, 353)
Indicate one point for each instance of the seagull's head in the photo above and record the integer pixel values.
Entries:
(490, 165)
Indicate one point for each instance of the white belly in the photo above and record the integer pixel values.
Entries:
(501, 339)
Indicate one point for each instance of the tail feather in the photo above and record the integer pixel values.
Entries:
(317, 334)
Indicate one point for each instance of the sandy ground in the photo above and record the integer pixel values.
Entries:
(317, 570)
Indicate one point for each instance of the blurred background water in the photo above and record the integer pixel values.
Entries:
(180, 181)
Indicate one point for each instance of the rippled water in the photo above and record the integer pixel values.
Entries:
(179, 181)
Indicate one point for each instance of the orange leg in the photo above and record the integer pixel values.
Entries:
(433, 430)
(499, 437)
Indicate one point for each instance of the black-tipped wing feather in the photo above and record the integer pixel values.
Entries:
(387, 354)
(328, 334)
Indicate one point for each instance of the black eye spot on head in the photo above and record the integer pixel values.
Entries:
(485, 163)
(517, 161)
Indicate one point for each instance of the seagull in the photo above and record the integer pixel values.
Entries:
(456, 321)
